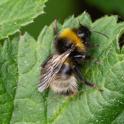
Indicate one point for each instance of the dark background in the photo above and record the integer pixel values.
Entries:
(62, 9)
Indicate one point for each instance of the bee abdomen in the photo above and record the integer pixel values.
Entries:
(66, 86)
(64, 82)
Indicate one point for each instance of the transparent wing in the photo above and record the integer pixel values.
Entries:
(51, 68)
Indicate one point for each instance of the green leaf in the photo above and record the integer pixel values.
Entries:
(119, 119)
(90, 106)
(17, 13)
(8, 78)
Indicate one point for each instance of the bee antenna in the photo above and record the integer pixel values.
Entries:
(55, 28)
(101, 34)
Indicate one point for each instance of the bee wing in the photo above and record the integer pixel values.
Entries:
(51, 68)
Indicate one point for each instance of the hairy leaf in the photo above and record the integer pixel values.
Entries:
(89, 106)
(8, 78)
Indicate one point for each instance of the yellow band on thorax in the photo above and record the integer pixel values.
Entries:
(72, 37)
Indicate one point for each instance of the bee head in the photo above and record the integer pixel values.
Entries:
(84, 33)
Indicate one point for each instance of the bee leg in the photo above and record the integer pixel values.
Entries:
(82, 80)
(89, 83)
(82, 58)
(86, 58)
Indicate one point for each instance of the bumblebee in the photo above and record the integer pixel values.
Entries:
(61, 71)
